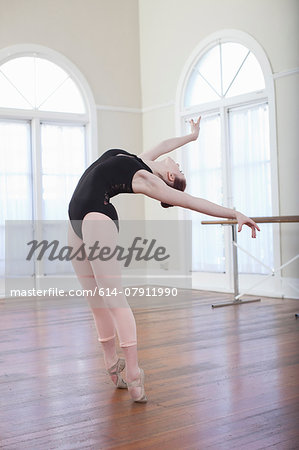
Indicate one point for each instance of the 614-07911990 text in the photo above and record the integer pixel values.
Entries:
(139, 291)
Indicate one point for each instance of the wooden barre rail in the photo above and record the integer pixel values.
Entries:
(273, 219)
(234, 223)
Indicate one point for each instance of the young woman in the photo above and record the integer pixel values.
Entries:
(94, 219)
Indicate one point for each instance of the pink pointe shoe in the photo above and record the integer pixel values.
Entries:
(115, 370)
(139, 382)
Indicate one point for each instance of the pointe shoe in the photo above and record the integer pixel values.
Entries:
(139, 383)
(115, 370)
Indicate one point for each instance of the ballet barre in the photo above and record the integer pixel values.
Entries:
(235, 246)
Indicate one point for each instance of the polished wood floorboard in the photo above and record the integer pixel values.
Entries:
(224, 378)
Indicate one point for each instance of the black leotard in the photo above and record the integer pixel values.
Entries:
(109, 175)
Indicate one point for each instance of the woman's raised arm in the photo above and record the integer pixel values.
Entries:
(171, 144)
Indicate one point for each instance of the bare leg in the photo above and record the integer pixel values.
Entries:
(98, 228)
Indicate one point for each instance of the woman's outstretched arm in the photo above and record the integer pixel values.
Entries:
(171, 144)
(156, 188)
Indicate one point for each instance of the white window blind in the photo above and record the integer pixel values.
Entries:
(205, 180)
(15, 177)
(251, 180)
(63, 157)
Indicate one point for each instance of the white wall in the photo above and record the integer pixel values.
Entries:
(100, 37)
(171, 29)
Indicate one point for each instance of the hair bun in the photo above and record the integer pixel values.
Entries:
(165, 205)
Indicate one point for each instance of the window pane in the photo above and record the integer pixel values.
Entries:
(226, 70)
(36, 83)
(66, 98)
(209, 67)
(10, 97)
(63, 161)
(249, 79)
(251, 183)
(233, 55)
(15, 171)
(48, 78)
(15, 177)
(198, 91)
(20, 72)
(204, 179)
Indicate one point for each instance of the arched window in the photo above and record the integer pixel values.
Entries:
(30, 82)
(46, 135)
(226, 70)
(230, 164)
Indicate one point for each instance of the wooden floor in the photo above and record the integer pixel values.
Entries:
(224, 378)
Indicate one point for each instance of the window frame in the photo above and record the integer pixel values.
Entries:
(211, 280)
(36, 118)
(89, 119)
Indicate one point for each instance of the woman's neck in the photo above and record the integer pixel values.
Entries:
(158, 168)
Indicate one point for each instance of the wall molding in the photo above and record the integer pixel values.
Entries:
(125, 109)
(162, 105)
(118, 109)
(285, 73)
(134, 110)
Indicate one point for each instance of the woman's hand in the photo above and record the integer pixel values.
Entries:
(195, 127)
(243, 220)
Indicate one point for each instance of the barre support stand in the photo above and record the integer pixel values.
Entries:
(236, 300)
